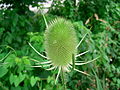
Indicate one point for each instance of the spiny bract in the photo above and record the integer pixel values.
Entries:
(60, 42)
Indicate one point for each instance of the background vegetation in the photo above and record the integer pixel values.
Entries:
(18, 26)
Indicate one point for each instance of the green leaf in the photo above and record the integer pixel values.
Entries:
(11, 79)
(3, 71)
(10, 60)
(15, 20)
(17, 79)
(1, 30)
(25, 60)
(16, 88)
(21, 77)
(17, 60)
(33, 80)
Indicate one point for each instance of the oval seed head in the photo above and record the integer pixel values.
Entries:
(60, 42)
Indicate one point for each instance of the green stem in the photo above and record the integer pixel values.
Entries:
(63, 79)
(5, 56)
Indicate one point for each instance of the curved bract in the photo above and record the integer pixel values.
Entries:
(60, 42)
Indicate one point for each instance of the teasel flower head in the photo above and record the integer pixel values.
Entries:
(61, 46)
(60, 42)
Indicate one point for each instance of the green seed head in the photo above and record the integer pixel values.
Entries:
(60, 42)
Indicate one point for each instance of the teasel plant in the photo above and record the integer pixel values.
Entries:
(61, 46)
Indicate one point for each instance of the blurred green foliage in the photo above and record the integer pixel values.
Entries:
(21, 6)
(18, 26)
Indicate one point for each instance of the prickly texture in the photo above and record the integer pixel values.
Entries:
(60, 41)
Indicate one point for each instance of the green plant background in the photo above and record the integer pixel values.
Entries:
(18, 26)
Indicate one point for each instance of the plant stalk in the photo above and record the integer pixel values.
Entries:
(63, 79)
